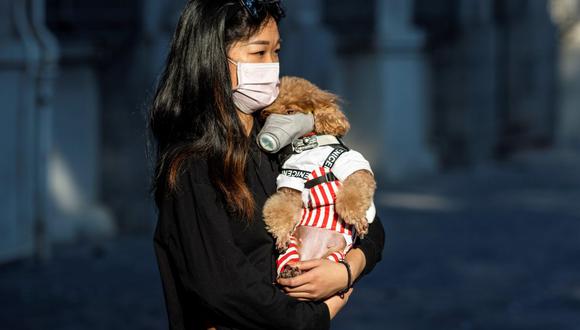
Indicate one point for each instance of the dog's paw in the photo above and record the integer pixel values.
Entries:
(362, 227)
(282, 242)
(282, 233)
(352, 213)
(360, 223)
(290, 271)
(349, 214)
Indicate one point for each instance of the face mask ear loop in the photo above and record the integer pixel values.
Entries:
(237, 71)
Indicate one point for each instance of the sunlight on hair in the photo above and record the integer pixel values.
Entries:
(418, 202)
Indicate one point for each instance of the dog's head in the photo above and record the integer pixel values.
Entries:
(300, 95)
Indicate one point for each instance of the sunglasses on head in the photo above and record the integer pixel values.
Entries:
(255, 7)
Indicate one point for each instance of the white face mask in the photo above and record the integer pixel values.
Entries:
(258, 85)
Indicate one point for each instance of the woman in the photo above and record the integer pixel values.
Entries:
(216, 259)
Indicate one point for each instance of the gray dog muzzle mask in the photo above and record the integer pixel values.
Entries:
(280, 130)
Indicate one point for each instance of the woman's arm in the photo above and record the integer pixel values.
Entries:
(323, 278)
(371, 247)
(212, 269)
(357, 261)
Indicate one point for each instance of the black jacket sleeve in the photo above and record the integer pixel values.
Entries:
(372, 245)
(214, 271)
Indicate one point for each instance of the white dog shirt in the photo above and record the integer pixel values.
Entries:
(319, 200)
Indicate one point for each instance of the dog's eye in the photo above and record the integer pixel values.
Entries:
(290, 111)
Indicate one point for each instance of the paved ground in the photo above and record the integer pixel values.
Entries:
(497, 248)
(85, 287)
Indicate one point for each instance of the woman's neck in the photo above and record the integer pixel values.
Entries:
(247, 122)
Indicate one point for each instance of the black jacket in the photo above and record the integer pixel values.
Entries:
(220, 269)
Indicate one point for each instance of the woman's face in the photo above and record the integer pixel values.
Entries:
(262, 47)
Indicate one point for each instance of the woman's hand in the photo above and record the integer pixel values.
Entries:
(324, 277)
(336, 303)
(321, 279)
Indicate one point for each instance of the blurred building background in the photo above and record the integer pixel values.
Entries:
(430, 87)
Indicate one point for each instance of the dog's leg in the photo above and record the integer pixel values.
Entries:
(354, 198)
(281, 214)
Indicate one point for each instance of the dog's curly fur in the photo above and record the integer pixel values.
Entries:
(300, 95)
(282, 210)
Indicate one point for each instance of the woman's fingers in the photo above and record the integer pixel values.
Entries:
(323, 279)
(307, 290)
(302, 295)
(303, 288)
(305, 277)
(309, 264)
(296, 281)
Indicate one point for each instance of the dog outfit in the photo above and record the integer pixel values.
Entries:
(317, 170)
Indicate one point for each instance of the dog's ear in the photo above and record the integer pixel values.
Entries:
(330, 120)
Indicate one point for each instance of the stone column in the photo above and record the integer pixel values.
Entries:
(27, 67)
(526, 72)
(479, 92)
(308, 48)
(158, 22)
(74, 162)
(126, 169)
(45, 80)
(403, 99)
(74, 170)
(566, 14)
(18, 62)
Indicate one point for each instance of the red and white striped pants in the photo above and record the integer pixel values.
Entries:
(320, 214)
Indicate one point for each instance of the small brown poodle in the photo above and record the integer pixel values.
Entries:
(325, 190)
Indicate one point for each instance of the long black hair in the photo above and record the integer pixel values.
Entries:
(192, 113)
